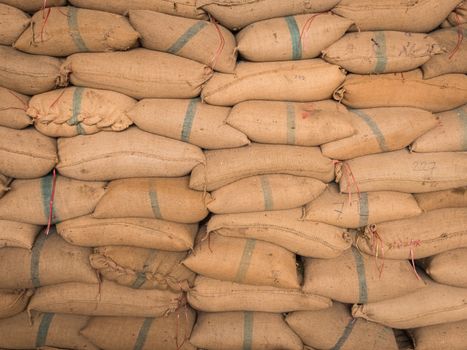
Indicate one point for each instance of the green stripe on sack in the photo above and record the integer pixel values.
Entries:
(374, 128)
(294, 37)
(74, 29)
(139, 281)
(461, 113)
(35, 259)
(267, 193)
(46, 194)
(41, 337)
(362, 287)
(348, 329)
(143, 333)
(247, 330)
(380, 52)
(141, 276)
(245, 260)
(188, 121)
(364, 211)
(155, 204)
(76, 110)
(186, 37)
(290, 123)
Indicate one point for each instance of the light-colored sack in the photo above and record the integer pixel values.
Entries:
(33, 5)
(452, 336)
(26, 153)
(139, 73)
(4, 182)
(448, 268)
(235, 14)
(299, 81)
(28, 74)
(458, 15)
(265, 192)
(420, 16)
(243, 330)
(284, 228)
(13, 108)
(407, 89)
(130, 153)
(188, 120)
(12, 302)
(136, 232)
(161, 198)
(291, 37)
(17, 234)
(12, 23)
(449, 136)
(245, 261)
(105, 299)
(201, 41)
(46, 331)
(210, 295)
(334, 328)
(403, 171)
(362, 209)
(62, 31)
(226, 166)
(381, 51)
(122, 333)
(302, 124)
(142, 268)
(453, 198)
(380, 130)
(79, 111)
(424, 235)
(29, 200)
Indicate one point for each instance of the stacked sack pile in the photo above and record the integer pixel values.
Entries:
(231, 174)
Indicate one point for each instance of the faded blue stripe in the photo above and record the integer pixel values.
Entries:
(364, 211)
(155, 204)
(362, 286)
(143, 334)
(248, 330)
(41, 337)
(245, 260)
(462, 114)
(348, 329)
(295, 37)
(380, 52)
(76, 108)
(35, 259)
(139, 281)
(290, 123)
(46, 194)
(374, 129)
(74, 29)
(188, 121)
(267, 193)
(186, 37)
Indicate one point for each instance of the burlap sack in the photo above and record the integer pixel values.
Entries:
(245, 261)
(366, 208)
(29, 200)
(54, 330)
(142, 268)
(130, 153)
(458, 15)
(243, 330)
(407, 89)
(452, 336)
(298, 81)
(105, 299)
(405, 16)
(26, 153)
(13, 108)
(448, 268)
(212, 295)
(12, 23)
(62, 31)
(403, 171)
(302, 124)
(13, 302)
(291, 37)
(33, 5)
(449, 135)
(136, 232)
(79, 111)
(28, 74)
(138, 73)
(183, 8)
(188, 120)
(380, 130)
(17, 234)
(122, 333)
(453, 198)
(4, 182)
(334, 328)
(284, 228)
(51, 261)
(226, 166)
(235, 14)
(266, 192)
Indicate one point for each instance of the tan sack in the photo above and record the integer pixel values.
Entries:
(245, 261)
(4, 182)
(212, 295)
(26, 153)
(299, 81)
(12, 23)
(449, 136)
(33, 5)
(122, 333)
(138, 73)
(407, 89)
(229, 165)
(62, 31)
(46, 331)
(291, 37)
(13, 106)
(380, 130)
(142, 268)
(28, 74)
(452, 336)
(188, 120)
(458, 15)
(334, 328)
(284, 228)
(105, 299)
(453, 198)
(448, 268)
(79, 111)
(136, 232)
(13, 302)
(30, 200)
(130, 153)
(403, 171)
(17, 234)
(243, 330)
(201, 41)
